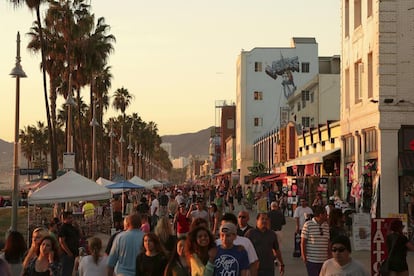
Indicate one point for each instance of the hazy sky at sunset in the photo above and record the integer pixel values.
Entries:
(176, 57)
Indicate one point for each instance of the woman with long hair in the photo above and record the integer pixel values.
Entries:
(397, 247)
(164, 232)
(13, 252)
(152, 259)
(37, 235)
(200, 250)
(177, 265)
(94, 264)
(46, 261)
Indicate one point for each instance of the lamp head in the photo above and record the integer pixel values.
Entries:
(17, 71)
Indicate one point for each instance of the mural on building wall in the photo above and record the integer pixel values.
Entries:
(284, 67)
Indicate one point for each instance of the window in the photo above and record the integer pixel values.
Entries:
(305, 95)
(258, 95)
(347, 95)
(371, 140)
(369, 8)
(346, 23)
(258, 66)
(358, 68)
(312, 97)
(357, 13)
(303, 104)
(312, 122)
(230, 124)
(298, 105)
(370, 76)
(305, 67)
(258, 121)
(349, 146)
(305, 121)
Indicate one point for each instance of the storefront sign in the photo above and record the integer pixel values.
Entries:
(361, 231)
(379, 230)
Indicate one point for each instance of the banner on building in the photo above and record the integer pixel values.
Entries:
(361, 231)
(379, 230)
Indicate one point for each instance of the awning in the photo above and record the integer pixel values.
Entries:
(270, 177)
(311, 158)
(406, 163)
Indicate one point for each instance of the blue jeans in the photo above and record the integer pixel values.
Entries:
(313, 268)
(67, 264)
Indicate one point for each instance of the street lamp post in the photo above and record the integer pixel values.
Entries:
(17, 72)
(121, 157)
(111, 150)
(94, 123)
(130, 147)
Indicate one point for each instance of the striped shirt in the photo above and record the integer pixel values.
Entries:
(317, 241)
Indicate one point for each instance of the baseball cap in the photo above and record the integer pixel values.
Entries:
(228, 228)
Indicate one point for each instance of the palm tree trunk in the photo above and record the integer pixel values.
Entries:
(51, 131)
(81, 143)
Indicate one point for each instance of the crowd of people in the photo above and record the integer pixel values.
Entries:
(191, 231)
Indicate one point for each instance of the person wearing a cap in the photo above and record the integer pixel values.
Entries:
(243, 241)
(342, 263)
(230, 259)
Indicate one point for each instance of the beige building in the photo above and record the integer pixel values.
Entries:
(377, 103)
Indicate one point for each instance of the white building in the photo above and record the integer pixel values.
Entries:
(180, 163)
(377, 104)
(266, 77)
(318, 101)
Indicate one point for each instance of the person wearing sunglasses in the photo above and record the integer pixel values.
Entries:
(342, 263)
(315, 241)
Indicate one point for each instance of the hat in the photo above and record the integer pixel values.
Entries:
(228, 228)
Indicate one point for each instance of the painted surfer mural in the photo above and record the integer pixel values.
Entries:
(284, 67)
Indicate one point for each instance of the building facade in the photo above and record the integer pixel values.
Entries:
(266, 77)
(377, 102)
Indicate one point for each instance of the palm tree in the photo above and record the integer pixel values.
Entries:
(35, 5)
(122, 99)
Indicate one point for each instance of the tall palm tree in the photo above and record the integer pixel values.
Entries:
(122, 99)
(35, 5)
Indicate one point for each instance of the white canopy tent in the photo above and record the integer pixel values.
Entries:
(69, 187)
(153, 183)
(105, 182)
(138, 180)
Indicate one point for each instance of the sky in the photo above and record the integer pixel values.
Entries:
(176, 57)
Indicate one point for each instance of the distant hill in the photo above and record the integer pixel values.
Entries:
(196, 143)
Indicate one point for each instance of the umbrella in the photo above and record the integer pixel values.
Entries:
(124, 184)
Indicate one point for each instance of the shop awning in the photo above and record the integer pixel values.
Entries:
(270, 177)
(311, 158)
(406, 163)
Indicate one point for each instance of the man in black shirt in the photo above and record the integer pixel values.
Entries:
(69, 243)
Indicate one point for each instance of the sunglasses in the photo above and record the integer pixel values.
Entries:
(338, 249)
(242, 217)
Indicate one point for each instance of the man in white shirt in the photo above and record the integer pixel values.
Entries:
(302, 213)
(154, 211)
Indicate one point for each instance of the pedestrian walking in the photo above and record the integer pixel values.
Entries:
(266, 245)
(342, 263)
(315, 241)
(277, 220)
